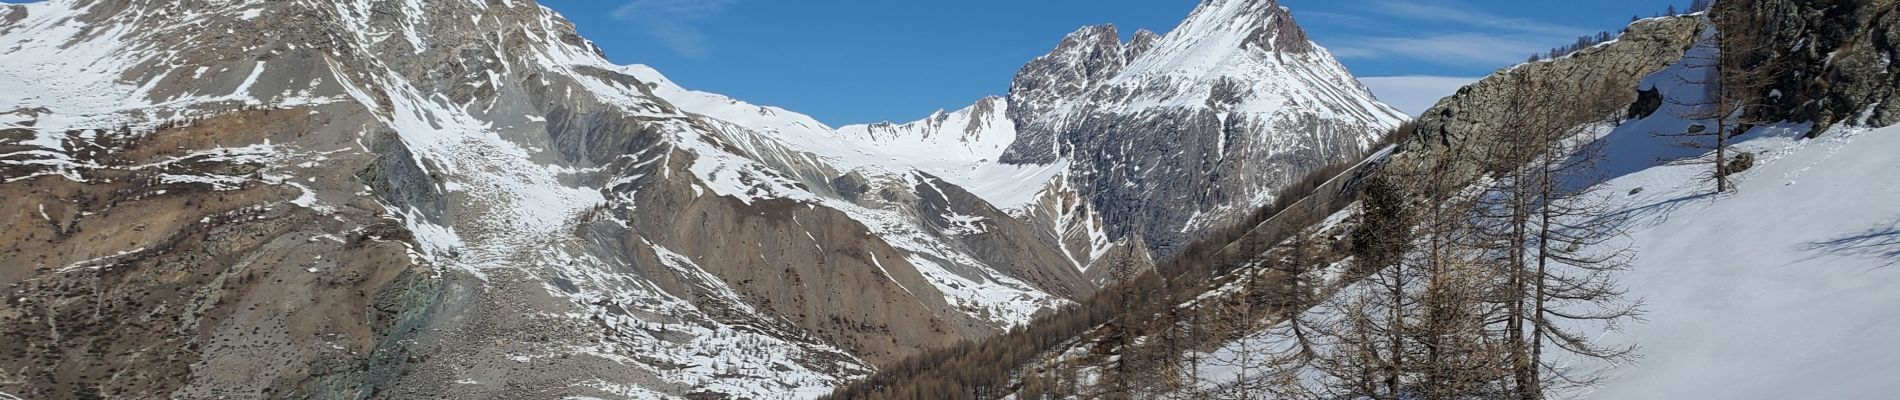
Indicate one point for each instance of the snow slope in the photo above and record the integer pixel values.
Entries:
(1786, 289)
(1782, 289)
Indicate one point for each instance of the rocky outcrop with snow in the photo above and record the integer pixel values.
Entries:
(1467, 125)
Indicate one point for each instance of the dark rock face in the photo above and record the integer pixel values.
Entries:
(851, 186)
(1832, 60)
(10, 14)
(1648, 101)
(1283, 35)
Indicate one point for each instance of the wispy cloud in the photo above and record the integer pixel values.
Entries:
(1471, 17)
(1465, 36)
(1334, 18)
(1453, 49)
(671, 22)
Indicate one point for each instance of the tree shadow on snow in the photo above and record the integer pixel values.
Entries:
(1881, 243)
(1636, 146)
(1654, 214)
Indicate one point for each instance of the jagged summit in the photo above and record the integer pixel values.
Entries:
(1143, 41)
(1082, 60)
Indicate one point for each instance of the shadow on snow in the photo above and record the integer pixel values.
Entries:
(1881, 243)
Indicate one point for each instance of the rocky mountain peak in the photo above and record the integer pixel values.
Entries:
(1238, 80)
(1228, 32)
(1278, 32)
(1082, 60)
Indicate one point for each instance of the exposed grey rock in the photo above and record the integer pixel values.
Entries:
(1832, 60)
(1084, 59)
(1466, 126)
(1144, 41)
(10, 14)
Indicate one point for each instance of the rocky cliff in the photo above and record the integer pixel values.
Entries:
(1829, 64)
(1831, 61)
(1604, 80)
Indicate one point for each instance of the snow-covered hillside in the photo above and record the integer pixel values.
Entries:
(1788, 288)
(1785, 288)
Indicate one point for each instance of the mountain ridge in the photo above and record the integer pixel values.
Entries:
(498, 207)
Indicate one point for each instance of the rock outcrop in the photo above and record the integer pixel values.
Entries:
(1832, 61)
(1470, 124)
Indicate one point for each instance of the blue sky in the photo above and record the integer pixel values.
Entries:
(849, 62)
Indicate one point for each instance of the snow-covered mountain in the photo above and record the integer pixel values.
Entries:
(434, 198)
(1175, 135)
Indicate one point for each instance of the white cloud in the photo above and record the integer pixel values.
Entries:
(1415, 94)
(1466, 38)
(671, 21)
